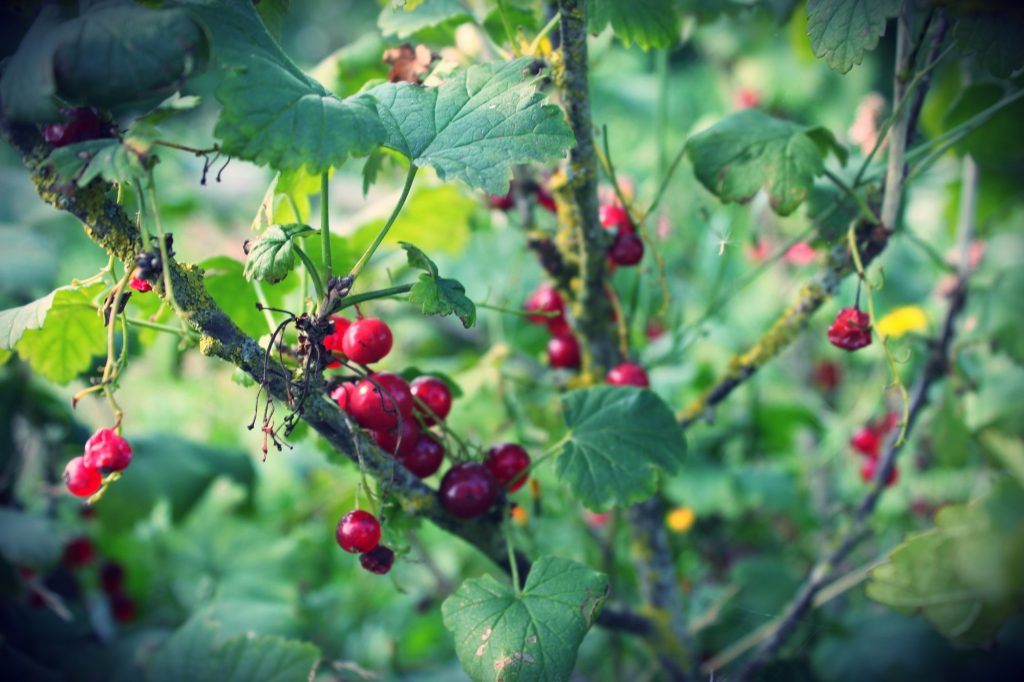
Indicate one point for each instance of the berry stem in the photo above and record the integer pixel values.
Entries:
(548, 28)
(513, 565)
(365, 258)
(311, 270)
(161, 243)
(146, 324)
(350, 301)
(261, 296)
(325, 232)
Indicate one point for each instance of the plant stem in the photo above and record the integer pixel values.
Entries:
(318, 285)
(666, 178)
(509, 33)
(261, 296)
(896, 172)
(350, 301)
(358, 267)
(146, 324)
(513, 566)
(325, 228)
(548, 28)
(862, 206)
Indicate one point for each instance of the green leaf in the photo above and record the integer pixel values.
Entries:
(534, 635)
(273, 113)
(70, 336)
(110, 159)
(476, 125)
(841, 31)
(648, 23)
(227, 285)
(15, 321)
(749, 150)
(273, 12)
(418, 259)
(273, 255)
(619, 438)
(28, 85)
(194, 652)
(402, 22)
(443, 296)
(28, 539)
(993, 39)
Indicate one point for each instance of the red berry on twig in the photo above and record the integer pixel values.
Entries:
(627, 374)
(107, 451)
(358, 531)
(627, 249)
(367, 340)
(425, 458)
(378, 560)
(851, 329)
(564, 351)
(435, 394)
(81, 480)
(468, 490)
(378, 408)
(505, 462)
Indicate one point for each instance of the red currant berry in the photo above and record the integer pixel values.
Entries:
(559, 326)
(468, 490)
(79, 125)
(564, 351)
(627, 374)
(435, 394)
(868, 468)
(378, 560)
(888, 423)
(545, 299)
(108, 451)
(545, 200)
(505, 462)
(501, 203)
(81, 480)
(866, 441)
(378, 409)
(390, 442)
(122, 607)
(343, 395)
(850, 330)
(332, 341)
(425, 458)
(367, 340)
(827, 375)
(112, 577)
(140, 285)
(627, 249)
(78, 552)
(358, 531)
(613, 215)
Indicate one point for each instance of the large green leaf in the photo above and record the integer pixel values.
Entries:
(749, 150)
(28, 539)
(402, 22)
(28, 85)
(436, 295)
(111, 159)
(272, 256)
(648, 23)
(273, 113)
(194, 652)
(61, 340)
(530, 636)
(967, 575)
(620, 437)
(994, 39)
(474, 126)
(14, 322)
(841, 31)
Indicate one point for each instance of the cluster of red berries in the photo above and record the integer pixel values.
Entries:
(105, 452)
(563, 348)
(851, 329)
(358, 532)
(868, 440)
(627, 248)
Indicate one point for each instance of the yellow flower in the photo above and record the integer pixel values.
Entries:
(680, 519)
(902, 320)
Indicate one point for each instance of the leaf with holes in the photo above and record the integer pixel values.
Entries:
(619, 438)
(648, 23)
(476, 125)
(534, 635)
(749, 150)
(841, 31)
(272, 256)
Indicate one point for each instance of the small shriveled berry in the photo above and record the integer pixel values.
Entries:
(378, 408)
(390, 442)
(367, 340)
(81, 480)
(627, 374)
(107, 451)
(626, 249)
(468, 490)
(851, 329)
(78, 552)
(827, 375)
(378, 560)
(140, 285)
(564, 351)
(506, 461)
(425, 458)
(870, 466)
(545, 299)
(435, 394)
(358, 531)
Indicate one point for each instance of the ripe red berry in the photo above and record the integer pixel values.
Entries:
(827, 375)
(378, 410)
(107, 451)
(122, 607)
(866, 441)
(468, 490)
(506, 461)
(79, 125)
(367, 340)
(358, 531)
(888, 423)
(333, 340)
(850, 330)
(112, 577)
(435, 394)
(140, 285)
(627, 248)
(564, 351)
(544, 299)
(378, 560)
(81, 480)
(343, 395)
(614, 215)
(627, 374)
(78, 552)
(390, 442)
(559, 326)
(868, 468)
(425, 458)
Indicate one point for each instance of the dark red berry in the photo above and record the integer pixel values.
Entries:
(850, 330)
(333, 340)
(122, 607)
(613, 215)
(468, 490)
(545, 299)
(866, 441)
(627, 248)
(888, 423)
(378, 410)
(79, 552)
(425, 458)
(378, 560)
(627, 374)
(506, 461)
(367, 340)
(343, 394)
(107, 451)
(435, 394)
(140, 285)
(391, 443)
(868, 468)
(501, 203)
(564, 351)
(559, 326)
(545, 200)
(358, 531)
(79, 125)
(112, 577)
(827, 375)
(81, 480)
